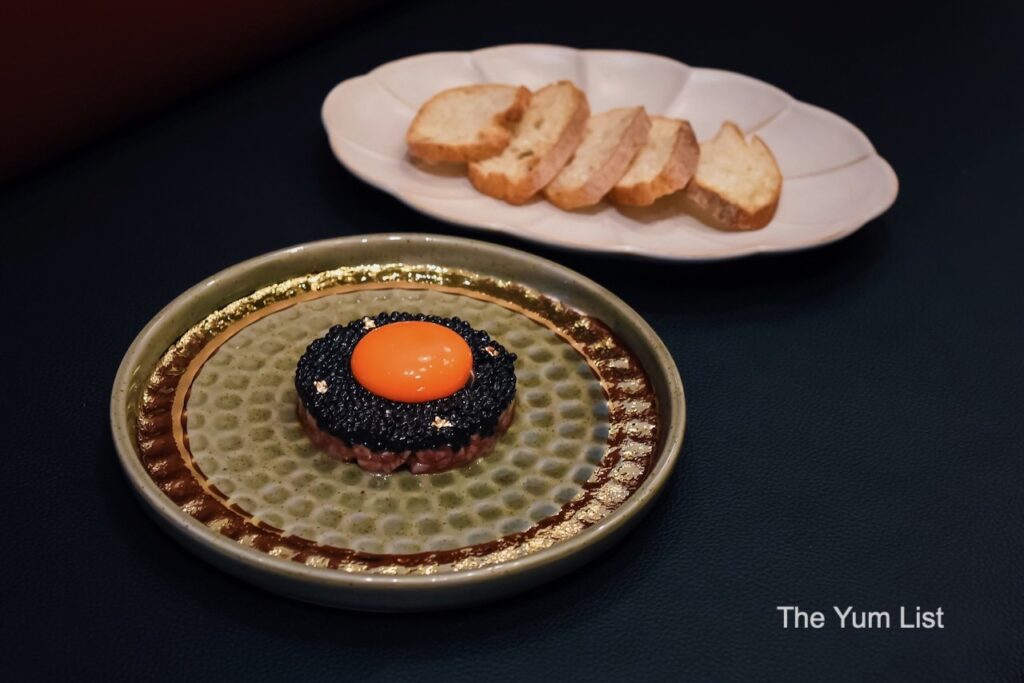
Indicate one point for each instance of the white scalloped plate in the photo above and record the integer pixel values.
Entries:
(834, 183)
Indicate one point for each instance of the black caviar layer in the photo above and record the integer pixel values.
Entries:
(345, 409)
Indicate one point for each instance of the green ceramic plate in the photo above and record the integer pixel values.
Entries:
(203, 416)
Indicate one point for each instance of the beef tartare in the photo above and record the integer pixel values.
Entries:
(395, 389)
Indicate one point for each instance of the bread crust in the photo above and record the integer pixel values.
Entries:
(491, 140)
(499, 185)
(680, 167)
(601, 181)
(723, 214)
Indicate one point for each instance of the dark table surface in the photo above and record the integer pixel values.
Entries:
(855, 433)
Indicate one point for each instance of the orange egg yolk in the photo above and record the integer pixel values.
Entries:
(412, 361)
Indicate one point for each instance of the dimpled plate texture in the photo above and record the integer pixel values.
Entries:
(245, 438)
(834, 181)
(204, 420)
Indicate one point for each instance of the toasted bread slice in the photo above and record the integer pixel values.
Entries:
(548, 134)
(664, 164)
(737, 183)
(610, 143)
(466, 124)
